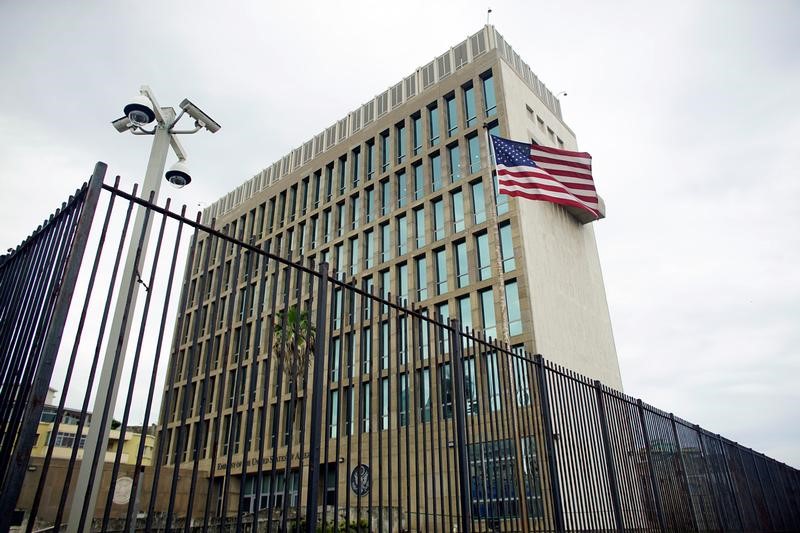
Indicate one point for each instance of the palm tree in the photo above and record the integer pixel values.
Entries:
(294, 336)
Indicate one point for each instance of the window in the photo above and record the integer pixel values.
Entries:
(402, 399)
(292, 202)
(469, 106)
(369, 249)
(356, 167)
(313, 232)
(402, 281)
(493, 372)
(440, 262)
(436, 172)
(470, 386)
(513, 309)
(386, 197)
(366, 350)
(486, 298)
(419, 181)
(333, 414)
(416, 124)
(454, 156)
(349, 411)
(465, 311)
(368, 288)
(402, 142)
(354, 256)
(340, 208)
(493, 475)
(301, 240)
(303, 198)
(384, 404)
(355, 211)
(365, 402)
(507, 247)
(421, 268)
(402, 235)
(489, 100)
(338, 256)
(452, 114)
(370, 207)
(446, 391)
(336, 351)
(328, 182)
(370, 160)
(482, 249)
(423, 331)
(326, 226)
(424, 394)
(419, 226)
(433, 124)
(384, 340)
(386, 242)
(384, 151)
(317, 187)
(438, 219)
(457, 201)
(473, 146)
(478, 202)
(385, 288)
(402, 189)
(462, 266)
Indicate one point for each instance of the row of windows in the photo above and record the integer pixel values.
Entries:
(389, 148)
(349, 412)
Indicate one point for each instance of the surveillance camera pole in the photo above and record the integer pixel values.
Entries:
(91, 471)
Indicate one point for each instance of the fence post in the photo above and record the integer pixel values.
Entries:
(653, 481)
(612, 472)
(33, 411)
(317, 392)
(683, 469)
(461, 426)
(547, 421)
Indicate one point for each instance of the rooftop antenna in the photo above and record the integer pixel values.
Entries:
(488, 14)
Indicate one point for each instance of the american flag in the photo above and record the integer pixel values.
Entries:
(543, 173)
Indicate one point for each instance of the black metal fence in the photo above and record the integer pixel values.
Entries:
(294, 399)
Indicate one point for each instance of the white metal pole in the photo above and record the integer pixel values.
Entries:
(97, 438)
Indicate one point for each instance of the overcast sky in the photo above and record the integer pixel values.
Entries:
(689, 108)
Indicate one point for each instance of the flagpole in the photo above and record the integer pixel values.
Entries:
(498, 250)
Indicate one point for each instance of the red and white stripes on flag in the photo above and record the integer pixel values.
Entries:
(543, 173)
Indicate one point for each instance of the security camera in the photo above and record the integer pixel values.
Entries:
(178, 174)
(122, 124)
(140, 111)
(196, 113)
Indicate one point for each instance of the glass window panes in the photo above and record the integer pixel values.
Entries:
(402, 142)
(478, 202)
(440, 262)
(454, 156)
(419, 226)
(486, 298)
(489, 99)
(424, 395)
(474, 149)
(482, 249)
(507, 246)
(457, 202)
(514, 310)
(433, 124)
(462, 266)
(436, 172)
(384, 151)
(452, 115)
(419, 181)
(402, 189)
(369, 248)
(469, 106)
(422, 278)
(438, 219)
(402, 235)
(417, 127)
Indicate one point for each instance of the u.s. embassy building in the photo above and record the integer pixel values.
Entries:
(398, 197)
